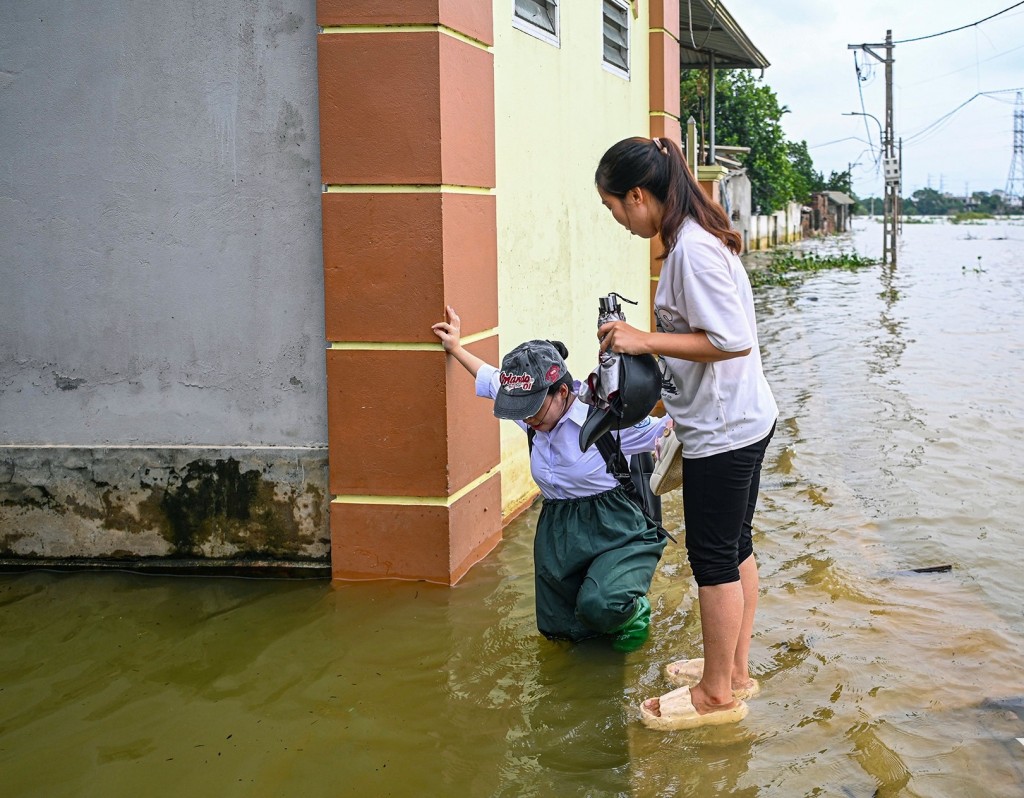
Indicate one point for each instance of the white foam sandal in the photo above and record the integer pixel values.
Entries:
(676, 711)
(687, 672)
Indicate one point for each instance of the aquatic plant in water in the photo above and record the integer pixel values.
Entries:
(970, 217)
(784, 268)
(976, 269)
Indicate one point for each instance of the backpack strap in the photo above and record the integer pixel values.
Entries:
(634, 476)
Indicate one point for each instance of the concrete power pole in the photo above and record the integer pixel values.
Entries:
(891, 162)
(1015, 182)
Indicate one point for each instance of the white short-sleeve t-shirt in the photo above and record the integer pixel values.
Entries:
(723, 406)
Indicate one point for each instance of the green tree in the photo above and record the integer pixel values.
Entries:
(930, 202)
(805, 179)
(869, 205)
(748, 114)
(840, 181)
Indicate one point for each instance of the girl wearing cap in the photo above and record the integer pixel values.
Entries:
(723, 408)
(594, 551)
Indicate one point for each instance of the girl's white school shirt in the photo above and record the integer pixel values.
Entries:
(559, 468)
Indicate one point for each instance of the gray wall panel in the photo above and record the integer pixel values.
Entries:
(160, 240)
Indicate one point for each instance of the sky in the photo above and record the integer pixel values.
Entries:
(813, 73)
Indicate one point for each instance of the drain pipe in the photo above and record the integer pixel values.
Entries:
(711, 100)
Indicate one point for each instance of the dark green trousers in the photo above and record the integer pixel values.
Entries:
(593, 558)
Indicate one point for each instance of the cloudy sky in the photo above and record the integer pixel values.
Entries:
(813, 73)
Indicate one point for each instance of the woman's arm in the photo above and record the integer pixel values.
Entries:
(450, 333)
(621, 337)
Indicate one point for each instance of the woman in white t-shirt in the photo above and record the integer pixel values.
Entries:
(715, 390)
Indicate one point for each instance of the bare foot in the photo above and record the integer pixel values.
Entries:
(700, 702)
(704, 704)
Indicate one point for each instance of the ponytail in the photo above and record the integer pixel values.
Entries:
(657, 166)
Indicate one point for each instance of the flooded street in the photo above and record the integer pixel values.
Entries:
(901, 419)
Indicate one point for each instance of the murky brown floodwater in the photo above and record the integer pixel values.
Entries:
(898, 448)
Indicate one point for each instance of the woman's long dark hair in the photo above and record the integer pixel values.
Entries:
(641, 163)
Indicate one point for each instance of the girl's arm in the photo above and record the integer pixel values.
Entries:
(646, 436)
(450, 333)
(621, 337)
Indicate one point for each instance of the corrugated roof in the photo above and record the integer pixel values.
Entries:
(706, 27)
(839, 198)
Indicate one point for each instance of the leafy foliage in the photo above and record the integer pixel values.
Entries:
(929, 202)
(748, 114)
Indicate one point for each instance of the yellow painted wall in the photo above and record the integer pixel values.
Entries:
(557, 109)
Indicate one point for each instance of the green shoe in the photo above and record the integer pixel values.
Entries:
(633, 633)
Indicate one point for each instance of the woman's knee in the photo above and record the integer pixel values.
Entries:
(709, 574)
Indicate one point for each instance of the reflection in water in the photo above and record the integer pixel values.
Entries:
(901, 420)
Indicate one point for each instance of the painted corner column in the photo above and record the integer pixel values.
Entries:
(664, 96)
(664, 70)
(409, 225)
(710, 179)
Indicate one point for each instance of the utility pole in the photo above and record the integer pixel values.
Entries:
(890, 159)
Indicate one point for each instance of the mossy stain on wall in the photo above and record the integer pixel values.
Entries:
(217, 506)
(217, 501)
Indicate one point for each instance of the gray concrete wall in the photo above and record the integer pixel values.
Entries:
(161, 283)
(736, 200)
(160, 250)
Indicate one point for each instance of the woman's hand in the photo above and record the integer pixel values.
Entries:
(450, 331)
(621, 337)
(665, 433)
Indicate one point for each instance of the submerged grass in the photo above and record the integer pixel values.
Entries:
(970, 217)
(786, 267)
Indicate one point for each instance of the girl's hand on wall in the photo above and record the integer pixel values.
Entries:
(449, 331)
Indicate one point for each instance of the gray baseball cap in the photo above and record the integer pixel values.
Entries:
(527, 372)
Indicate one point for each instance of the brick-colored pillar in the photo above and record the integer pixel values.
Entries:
(407, 154)
(664, 95)
(664, 70)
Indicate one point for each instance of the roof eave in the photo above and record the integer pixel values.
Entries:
(742, 54)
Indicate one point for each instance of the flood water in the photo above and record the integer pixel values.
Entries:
(902, 421)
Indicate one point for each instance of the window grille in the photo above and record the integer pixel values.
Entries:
(616, 37)
(538, 18)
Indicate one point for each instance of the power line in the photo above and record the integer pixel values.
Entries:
(965, 68)
(864, 112)
(837, 141)
(962, 27)
(945, 117)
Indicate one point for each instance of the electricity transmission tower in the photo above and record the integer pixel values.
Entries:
(1015, 182)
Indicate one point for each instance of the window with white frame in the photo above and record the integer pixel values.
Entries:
(538, 18)
(616, 37)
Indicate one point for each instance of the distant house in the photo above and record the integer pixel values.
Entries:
(827, 213)
(840, 206)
